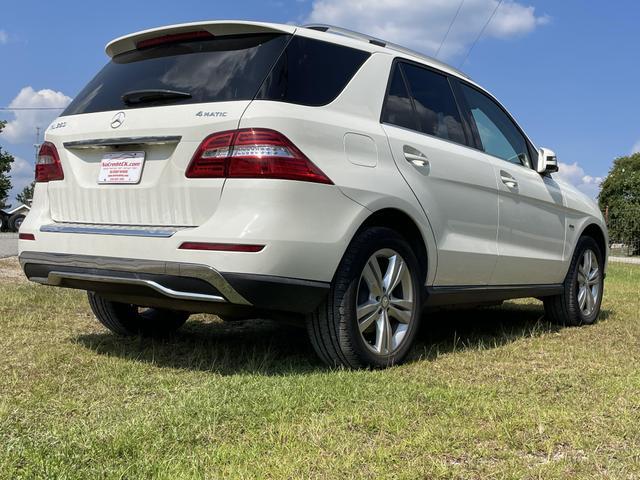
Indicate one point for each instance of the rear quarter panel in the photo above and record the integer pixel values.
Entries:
(322, 133)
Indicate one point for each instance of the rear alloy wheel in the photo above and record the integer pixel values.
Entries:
(385, 302)
(129, 320)
(372, 312)
(579, 304)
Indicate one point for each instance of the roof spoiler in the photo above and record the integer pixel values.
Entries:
(129, 42)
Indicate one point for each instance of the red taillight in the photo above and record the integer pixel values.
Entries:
(252, 153)
(174, 38)
(48, 166)
(26, 236)
(221, 247)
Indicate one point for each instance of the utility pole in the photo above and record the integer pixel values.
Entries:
(37, 144)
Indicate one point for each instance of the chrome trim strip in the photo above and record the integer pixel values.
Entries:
(123, 141)
(56, 279)
(193, 270)
(124, 230)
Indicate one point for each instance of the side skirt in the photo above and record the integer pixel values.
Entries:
(456, 295)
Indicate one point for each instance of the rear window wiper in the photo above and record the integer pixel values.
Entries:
(153, 95)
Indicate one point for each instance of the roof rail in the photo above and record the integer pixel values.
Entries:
(381, 43)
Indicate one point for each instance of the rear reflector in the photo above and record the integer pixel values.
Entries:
(26, 236)
(48, 166)
(221, 247)
(174, 38)
(253, 153)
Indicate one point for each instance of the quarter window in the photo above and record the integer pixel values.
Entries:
(311, 72)
(498, 134)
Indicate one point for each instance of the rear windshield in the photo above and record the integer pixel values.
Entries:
(239, 67)
(217, 70)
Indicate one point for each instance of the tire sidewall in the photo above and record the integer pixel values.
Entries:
(378, 238)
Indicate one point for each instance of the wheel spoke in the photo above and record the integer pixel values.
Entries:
(402, 316)
(388, 333)
(582, 297)
(373, 276)
(587, 263)
(590, 300)
(365, 323)
(593, 275)
(384, 334)
(394, 273)
(401, 303)
(366, 309)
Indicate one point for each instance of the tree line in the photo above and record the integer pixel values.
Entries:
(6, 162)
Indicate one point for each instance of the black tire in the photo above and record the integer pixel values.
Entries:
(15, 221)
(129, 320)
(564, 309)
(333, 328)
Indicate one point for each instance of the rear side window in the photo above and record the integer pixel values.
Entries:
(499, 135)
(220, 69)
(311, 72)
(397, 107)
(435, 104)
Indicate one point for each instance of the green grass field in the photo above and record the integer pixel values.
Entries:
(490, 393)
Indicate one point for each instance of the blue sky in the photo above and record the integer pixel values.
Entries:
(568, 70)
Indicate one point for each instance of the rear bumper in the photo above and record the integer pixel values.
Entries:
(178, 285)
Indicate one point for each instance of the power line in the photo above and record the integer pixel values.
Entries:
(481, 32)
(453, 20)
(31, 108)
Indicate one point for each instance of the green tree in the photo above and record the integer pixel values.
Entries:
(620, 196)
(26, 195)
(5, 167)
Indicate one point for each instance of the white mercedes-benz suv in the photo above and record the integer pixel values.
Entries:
(308, 174)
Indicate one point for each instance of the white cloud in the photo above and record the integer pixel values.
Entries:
(22, 174)
(575, 175)
(636, 148)
(4, 37)
(422, 24)
(23, 127)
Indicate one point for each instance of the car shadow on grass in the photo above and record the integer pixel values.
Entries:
(270, 348)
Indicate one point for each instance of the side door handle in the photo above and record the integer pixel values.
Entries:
(415, 157)
(508, 180)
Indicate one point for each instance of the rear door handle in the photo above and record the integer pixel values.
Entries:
(508, 179)
(415, 157)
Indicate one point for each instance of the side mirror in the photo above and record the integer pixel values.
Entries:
(547, 161)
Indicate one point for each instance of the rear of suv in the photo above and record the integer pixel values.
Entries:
(315, 174)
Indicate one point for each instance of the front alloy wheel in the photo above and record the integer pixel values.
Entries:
(579, 303)
(588, 283)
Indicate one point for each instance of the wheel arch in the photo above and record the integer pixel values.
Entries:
(594, 231)
(406, 226)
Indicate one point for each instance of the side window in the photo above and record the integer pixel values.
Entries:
(435, 104)
(397, 106)
(499, 136)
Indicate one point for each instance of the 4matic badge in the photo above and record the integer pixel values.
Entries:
(211, 114)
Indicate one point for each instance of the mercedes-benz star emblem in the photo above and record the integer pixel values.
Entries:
(118, 119)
